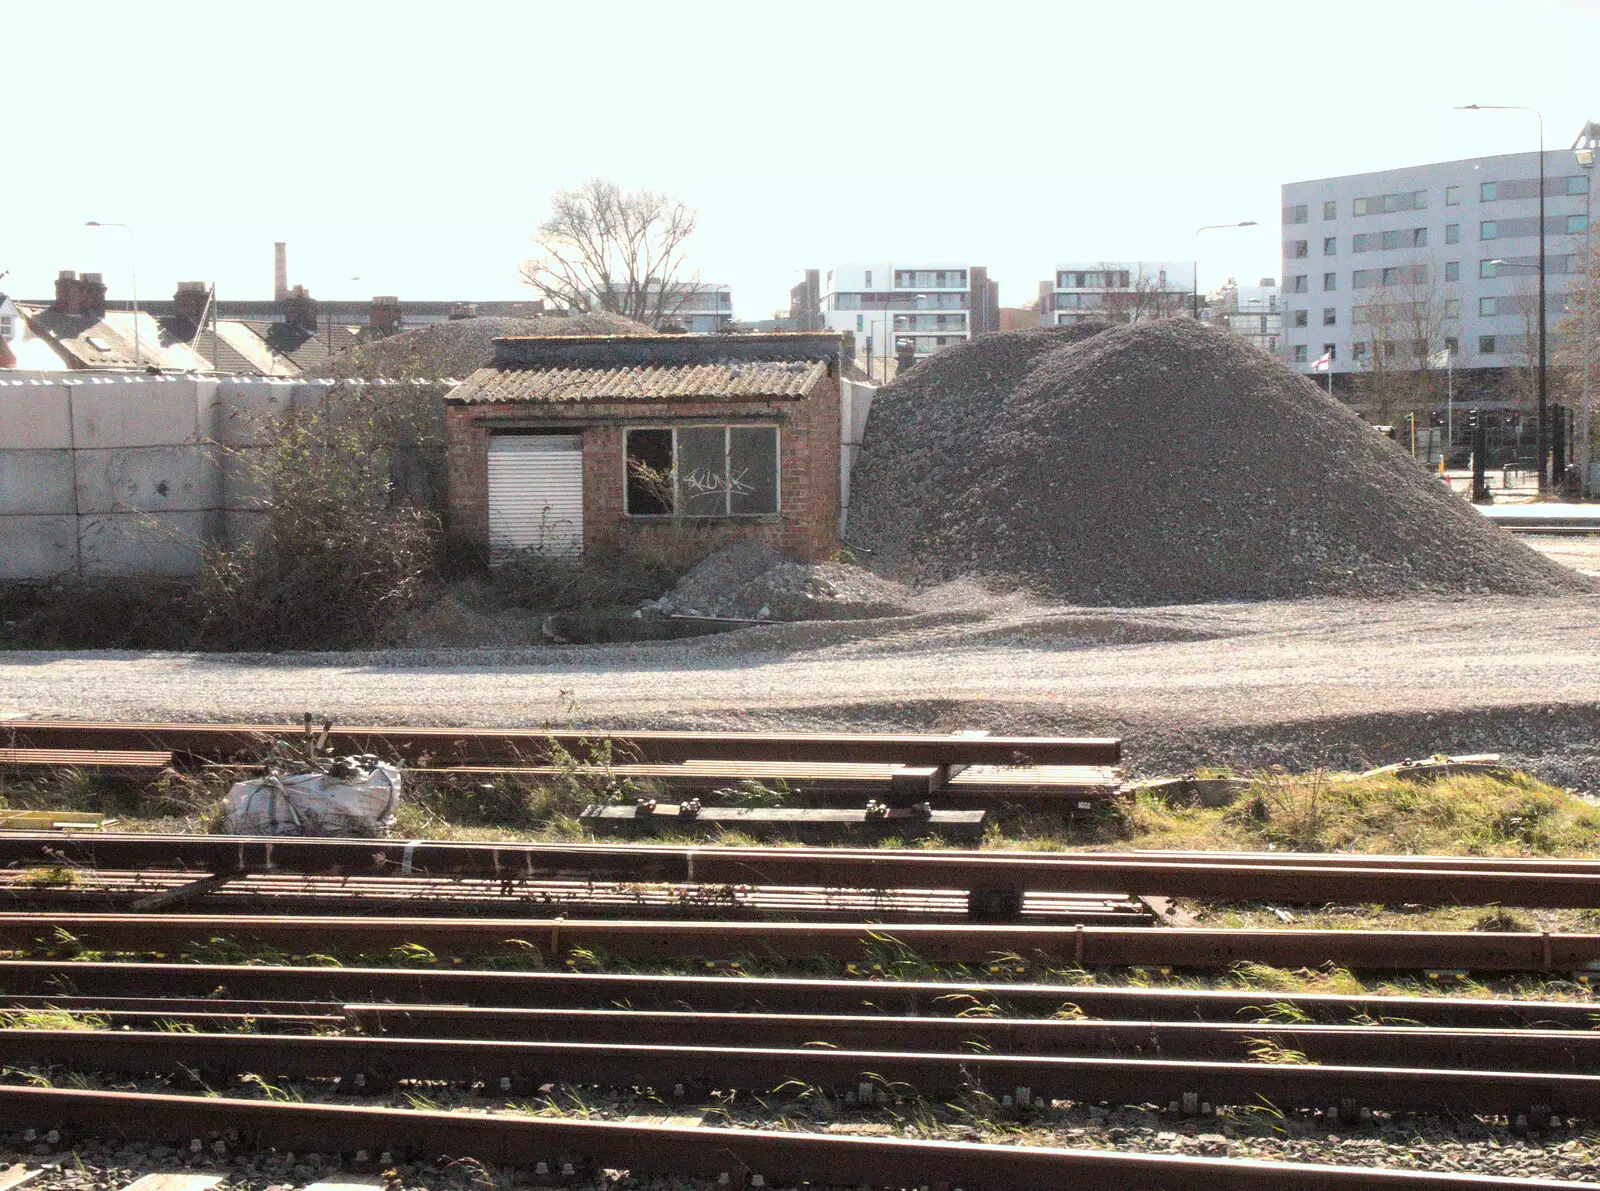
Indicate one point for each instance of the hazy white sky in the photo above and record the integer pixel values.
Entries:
(415, 145)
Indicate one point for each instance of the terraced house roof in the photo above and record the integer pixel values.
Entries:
(724, 380)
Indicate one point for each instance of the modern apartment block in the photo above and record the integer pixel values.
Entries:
(928, 306)
(1409, 262)
(1122, 291)
(700, 307)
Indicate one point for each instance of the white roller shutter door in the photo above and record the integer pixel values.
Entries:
(536, 494)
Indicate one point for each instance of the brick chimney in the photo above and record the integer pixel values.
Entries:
(280, 271)
(385, 314)
(190, 301)
(80, 295)
(300, 309)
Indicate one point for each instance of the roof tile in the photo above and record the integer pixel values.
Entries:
(733, 380)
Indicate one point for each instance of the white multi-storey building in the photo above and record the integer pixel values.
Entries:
(928, 306)
(700, 307)
(1122, 291)
(1412, 261)
(1252, 312)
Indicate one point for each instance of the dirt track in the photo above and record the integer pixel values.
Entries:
(1306, 683)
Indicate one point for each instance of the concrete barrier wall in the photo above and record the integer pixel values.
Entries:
(122, 474)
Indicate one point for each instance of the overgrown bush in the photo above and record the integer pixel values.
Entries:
(336, 558)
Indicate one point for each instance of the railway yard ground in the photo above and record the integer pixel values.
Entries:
(1189, 1028)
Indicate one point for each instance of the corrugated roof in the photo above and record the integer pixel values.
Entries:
(733, 380)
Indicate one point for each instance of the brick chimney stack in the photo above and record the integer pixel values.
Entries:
(191, 300)
(300, 309)
(84, 295)
(385, 315)
(280, 271)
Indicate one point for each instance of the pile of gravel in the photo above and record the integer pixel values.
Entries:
(1163, 462)
(458, 348)
(751, 581)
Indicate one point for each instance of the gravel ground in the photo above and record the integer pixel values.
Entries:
(1335, 682)
(1158, 463)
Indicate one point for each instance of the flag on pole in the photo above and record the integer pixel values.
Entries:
(1440, 358)
(1324, 363)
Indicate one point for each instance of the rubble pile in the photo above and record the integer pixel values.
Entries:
(1158, 463)
(751, 581)
(459, 347)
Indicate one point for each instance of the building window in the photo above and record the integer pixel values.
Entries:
(1575, 225)
(869, 278)
(1272, 345)
(1330, 316)
(1358, 349)
(1297, 214)
(1298, 318)
(1488, 192)
(1452, 196)
(702, 471)
(1486, 308)
(1486, 345)
(1489, 229)
(1297, 248)
(861, 322)
(1299, 353)
(1452, 233)
(1331, 351)
(1383, 204)
(1330, 246)
(1452, 344)
(1452, 270)
(1298, 284)
(1452, 308)
(1263, 324)
(1330, 209)
(1330, 282)
(1411, 237)
(1578, 184)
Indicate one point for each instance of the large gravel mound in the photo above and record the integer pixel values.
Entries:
(1158, 463)
(458, 348)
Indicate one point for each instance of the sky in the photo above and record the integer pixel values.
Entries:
(411, 148)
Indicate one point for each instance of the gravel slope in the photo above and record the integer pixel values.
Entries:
(1298, 683)
(1159, 463)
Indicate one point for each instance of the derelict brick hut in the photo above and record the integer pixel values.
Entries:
(569, 444)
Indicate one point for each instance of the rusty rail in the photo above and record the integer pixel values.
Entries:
(782, 1159)
(468, 746)
(286, 989)
(555, 938)
(1119, 1080)
(1477, 882)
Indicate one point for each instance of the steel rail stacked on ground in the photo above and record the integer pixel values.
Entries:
(780, 1159)
(554, 939)
(302, 989)
(997, 879)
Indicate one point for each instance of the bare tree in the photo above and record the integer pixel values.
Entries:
(604, 248)
(1143, 297)
(1398, 333)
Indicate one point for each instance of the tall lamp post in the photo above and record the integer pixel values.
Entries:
(1584, 149)
(133, 284)
(1210, 227)
(1544, 401)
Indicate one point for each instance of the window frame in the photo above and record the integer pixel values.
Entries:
(727, 513)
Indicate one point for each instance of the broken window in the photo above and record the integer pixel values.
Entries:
(702, 471)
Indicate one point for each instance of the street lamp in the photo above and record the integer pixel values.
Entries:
(133, 284)
(1543, 440)
(1210, 227)
(1584, 150)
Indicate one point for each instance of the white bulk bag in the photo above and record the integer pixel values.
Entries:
(358, 798)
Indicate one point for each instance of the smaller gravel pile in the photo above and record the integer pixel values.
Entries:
(751, 581)
(1159, 463)
(458, 348)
